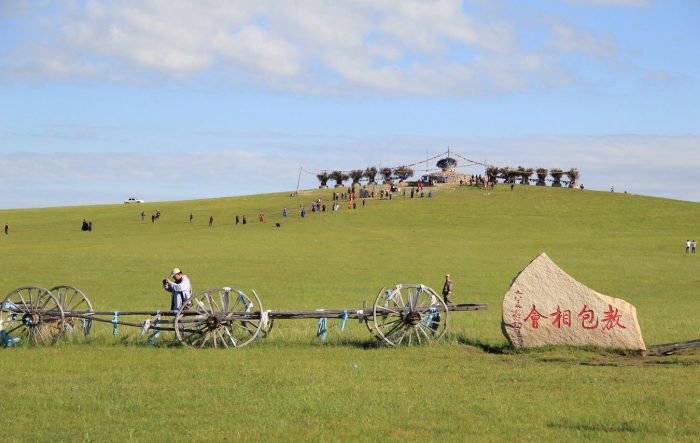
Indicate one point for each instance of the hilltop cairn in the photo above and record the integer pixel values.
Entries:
(450, 177)
(447, 172)
(545, 306)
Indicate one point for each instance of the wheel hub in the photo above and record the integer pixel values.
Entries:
(413, 318)
(31, 319)
(213, 322)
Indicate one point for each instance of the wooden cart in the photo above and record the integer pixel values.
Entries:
(406, 314)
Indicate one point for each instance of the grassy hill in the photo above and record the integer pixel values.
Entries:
(289, 387)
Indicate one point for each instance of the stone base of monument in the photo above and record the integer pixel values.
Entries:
(545, 306)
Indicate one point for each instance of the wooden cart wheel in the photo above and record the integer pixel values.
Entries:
(409, 314)
(224, 317)
(30, 315)
(368, 315)
(73, 300)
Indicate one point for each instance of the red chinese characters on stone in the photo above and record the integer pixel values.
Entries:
(560, 318)
(534, 317)
(611, 319)
(588, 320)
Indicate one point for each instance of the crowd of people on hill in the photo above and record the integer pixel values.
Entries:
(349, 197)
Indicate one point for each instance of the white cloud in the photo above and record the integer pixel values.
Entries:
(409, 47)
(256, 49)
(569, 39)
(425, 25)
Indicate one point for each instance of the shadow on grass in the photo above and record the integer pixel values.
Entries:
(623, 427)
(486, 347)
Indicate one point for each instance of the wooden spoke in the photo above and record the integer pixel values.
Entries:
(30, 315)
(219, 321)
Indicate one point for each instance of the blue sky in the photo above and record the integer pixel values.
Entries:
(103, 100)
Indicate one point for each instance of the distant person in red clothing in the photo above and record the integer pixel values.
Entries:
(261, 217)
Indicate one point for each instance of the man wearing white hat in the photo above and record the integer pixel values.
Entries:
(180, 288)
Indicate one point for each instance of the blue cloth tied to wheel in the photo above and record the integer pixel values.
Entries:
(152, 339)
(322, 330)
(115, 323)
(87, 325)
(8, 341)
(344, 320)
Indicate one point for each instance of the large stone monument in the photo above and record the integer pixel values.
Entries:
(545, 306)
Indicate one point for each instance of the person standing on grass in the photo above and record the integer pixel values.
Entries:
(143, 215)
(191, 217)
(687, 246)
(244, 220)
(211, 220)
(692, 246)
(261, 217)
(447, 290)
(284, 212)
(237, 220)
(180, 288)
(7, 228)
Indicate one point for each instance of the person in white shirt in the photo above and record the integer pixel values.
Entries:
(180, 288)
(687, 246)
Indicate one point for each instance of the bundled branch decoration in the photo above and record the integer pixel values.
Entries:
(403, 172)
(386, 174)
(371, 174)
(356, 175)
(556, 174)
(492, 173)
(525, 174)
(542, 176)
(323, 177)
(338, 177)
(508, 174)
(573, 175)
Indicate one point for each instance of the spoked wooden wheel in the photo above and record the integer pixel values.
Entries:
(30, 315)
(225, 317)
(368, 315)
(73, 301)
(409, 314)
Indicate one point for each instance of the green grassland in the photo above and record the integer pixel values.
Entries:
(291, 387)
